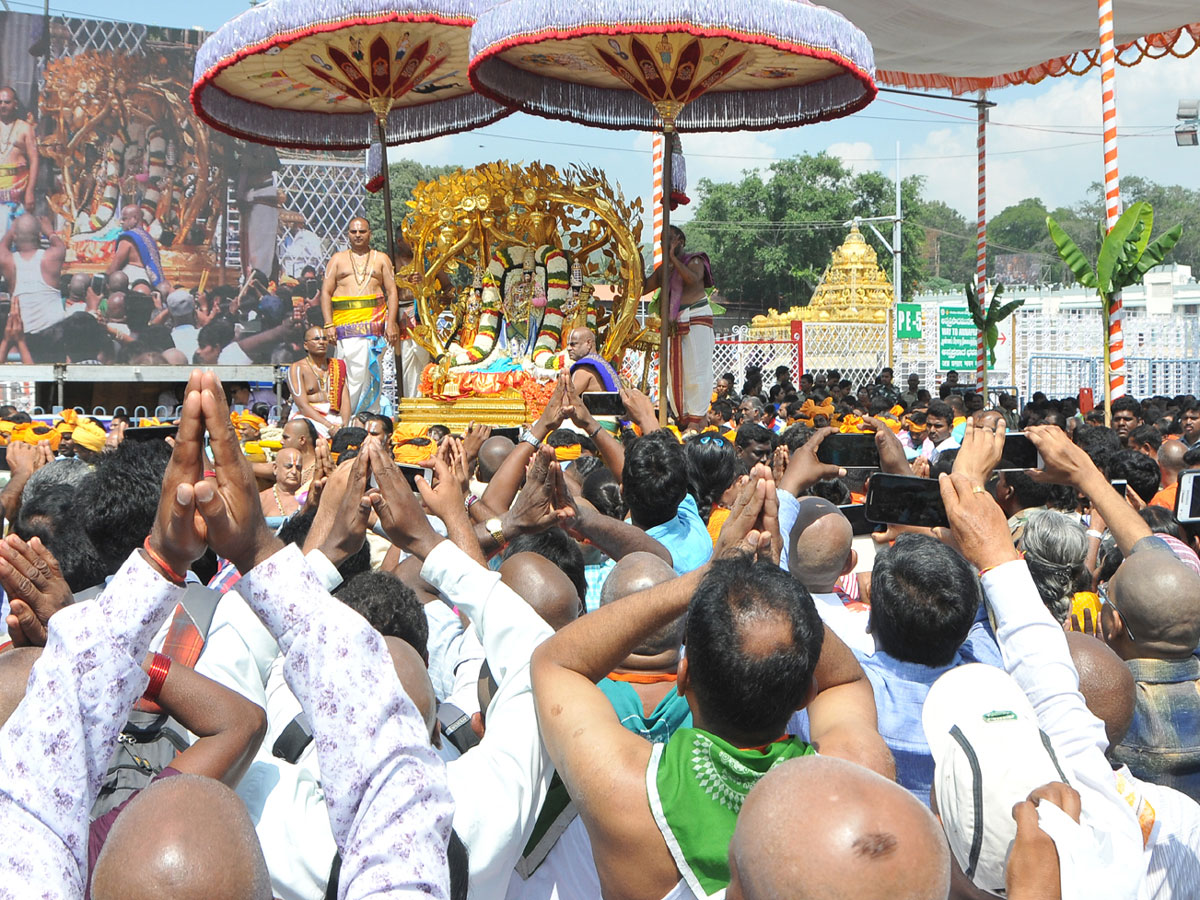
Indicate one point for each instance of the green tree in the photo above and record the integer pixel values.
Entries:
(949, 244)
(770, 239)
(1172, 203)
(1020, 227)
(405, 175)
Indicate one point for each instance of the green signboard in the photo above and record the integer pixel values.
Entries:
(957, 339)
(908, 321)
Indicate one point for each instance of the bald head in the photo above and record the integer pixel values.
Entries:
(15, 666)
(118, 281)
(886, 843)
(492, 453)
(543, 586)
(641, 571)
(1106, 683)
(414, 678)
(1158, 597)
(26, 231)
(1170, 459)
(581, 343)
(819, 550)
(187, 838)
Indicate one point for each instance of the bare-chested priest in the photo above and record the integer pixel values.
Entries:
(589, 370)
(18, 160)
(359, 301)
(320, 389)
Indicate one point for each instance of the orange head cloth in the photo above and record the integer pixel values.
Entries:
(148, 423)
(415, 451)
(851, 425)
(896, 411)
(32, 432)
(241, 420)
(406, 431)
(89, 436)
(67, 420)
(568, 452)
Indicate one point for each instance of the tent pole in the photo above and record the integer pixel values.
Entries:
(981, 247)
(1114, 314)
(381, 125)
(665, 325)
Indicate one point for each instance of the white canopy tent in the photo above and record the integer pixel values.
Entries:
(973, 45)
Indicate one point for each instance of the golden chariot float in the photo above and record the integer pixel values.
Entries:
(507, 260)
(119, 129)
(846, 321)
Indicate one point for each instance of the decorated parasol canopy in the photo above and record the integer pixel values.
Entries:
(318, 76)
(690, 65)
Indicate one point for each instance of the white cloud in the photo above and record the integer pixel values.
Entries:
(858, 156)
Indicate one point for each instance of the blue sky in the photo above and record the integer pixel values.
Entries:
(1044, 139)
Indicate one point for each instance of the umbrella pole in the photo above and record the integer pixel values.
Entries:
(381, 125)
(664, 284)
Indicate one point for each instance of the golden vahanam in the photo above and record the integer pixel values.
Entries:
(461, 218)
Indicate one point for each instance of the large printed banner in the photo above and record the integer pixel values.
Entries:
(127, 224)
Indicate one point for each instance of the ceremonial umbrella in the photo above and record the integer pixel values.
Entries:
(690, 65)
(340, 76)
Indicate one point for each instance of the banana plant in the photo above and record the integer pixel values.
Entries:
(987, 321)
(1126, 254)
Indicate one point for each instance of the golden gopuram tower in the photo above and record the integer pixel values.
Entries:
(846, 321)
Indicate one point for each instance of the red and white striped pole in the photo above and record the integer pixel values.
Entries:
(981, 245)
(1114, 349)
(659, 145)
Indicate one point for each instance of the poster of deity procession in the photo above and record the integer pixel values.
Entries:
(130, 232)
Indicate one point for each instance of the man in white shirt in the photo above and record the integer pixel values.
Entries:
(819, 553)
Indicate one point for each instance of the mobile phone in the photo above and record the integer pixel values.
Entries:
(604, 403)
(512, 433)
(1187, 497)
(1020, 453)
(1120, 485)
(905, 500)
(98, 283)
(4, 458)
(411, 474)
(849, 451)
(856, 513)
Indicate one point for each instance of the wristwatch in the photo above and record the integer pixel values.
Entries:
(496, 529)
(531, 439)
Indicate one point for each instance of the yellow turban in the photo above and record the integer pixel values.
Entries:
(896, 411)
(90, 436)
(406, 431)
(32, 432)
(412, 453)
(852, 425)
(67, 421)
(247, 418)
(567, 452)
(148, 423)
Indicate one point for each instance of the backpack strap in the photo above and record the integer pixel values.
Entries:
(292, 741)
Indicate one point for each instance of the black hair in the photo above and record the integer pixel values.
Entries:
(743, 693)
(388, 425)
(924, 597)
(1138, 469)
(557, 546)
(1029, 493)
(217, 333)
(295, 528)
(1097, 442)
(84, 338)
(1145, 434)
(118, 502)
(724, 409)
(753, 433)
(710, 469)
(51, 516)
(1163, 521)
(941, 410)
(796, 436)
(1126, 404)
(654, 481)
(585, 466)
(20, 417)
(600, 488)
(390, 606)
(563, 437)
(944, 463)
(834, 490)
(347, 440)
(437, 432)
